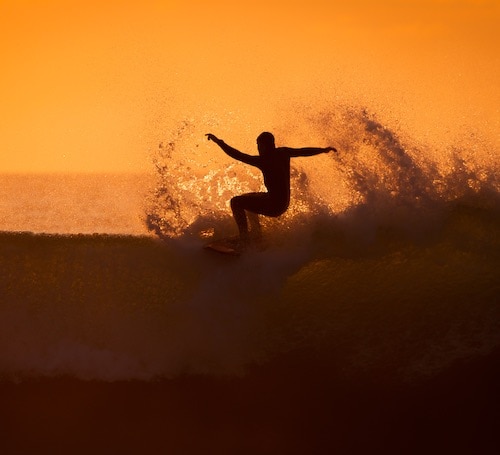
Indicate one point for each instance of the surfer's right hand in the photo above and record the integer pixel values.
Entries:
(212, 137)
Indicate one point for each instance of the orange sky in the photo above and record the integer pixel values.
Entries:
(96, 85)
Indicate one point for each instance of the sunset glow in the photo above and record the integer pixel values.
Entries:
(249, 226)
(95, 86)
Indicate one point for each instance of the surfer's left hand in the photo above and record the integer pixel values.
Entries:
(212, 137)
(330, 149)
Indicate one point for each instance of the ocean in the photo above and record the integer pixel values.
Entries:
(370, 323)
(73, 203)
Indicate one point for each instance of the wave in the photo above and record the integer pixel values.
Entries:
(379, 178)
(386, 262)
(120, 308)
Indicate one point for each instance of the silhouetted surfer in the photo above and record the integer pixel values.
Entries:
(274, 162)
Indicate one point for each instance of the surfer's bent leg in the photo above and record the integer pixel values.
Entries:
(254, 203)
(255, 230)
(237, 206)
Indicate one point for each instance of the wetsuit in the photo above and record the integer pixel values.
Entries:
(275, 167)
(274, 164)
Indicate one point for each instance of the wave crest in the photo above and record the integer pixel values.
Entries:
(379, 178)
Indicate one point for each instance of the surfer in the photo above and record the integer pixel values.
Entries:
(274, 163)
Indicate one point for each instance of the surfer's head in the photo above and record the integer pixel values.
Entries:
(265, 143)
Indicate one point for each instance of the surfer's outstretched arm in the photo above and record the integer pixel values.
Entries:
(310, 151)
(232, 152)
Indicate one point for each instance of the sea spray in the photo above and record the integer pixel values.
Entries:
(378, 178)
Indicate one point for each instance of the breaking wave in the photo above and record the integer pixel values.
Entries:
(387, 261)
(379, 179)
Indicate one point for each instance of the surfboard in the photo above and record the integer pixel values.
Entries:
(230, 246)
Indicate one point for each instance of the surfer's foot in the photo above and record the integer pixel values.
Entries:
(255, 237)
(244, 241)
(250, 243)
